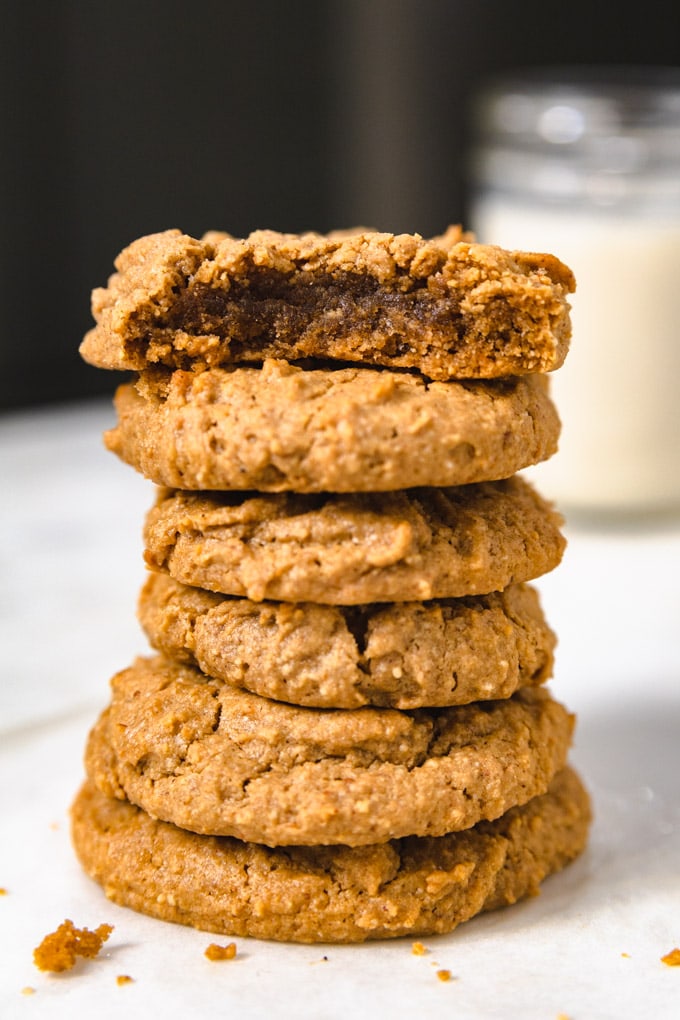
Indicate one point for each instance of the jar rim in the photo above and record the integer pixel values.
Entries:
(592, 100)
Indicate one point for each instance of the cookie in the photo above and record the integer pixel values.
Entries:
(447, 307)
(218, 760)
(412, 886)
(346, 550)
(347, 430)
(399, 655)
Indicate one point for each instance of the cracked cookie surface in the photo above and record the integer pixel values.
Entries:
(412, 886)
(401, 655)
(221, 761)
(406, 546)
(445, 306)
(347, 430)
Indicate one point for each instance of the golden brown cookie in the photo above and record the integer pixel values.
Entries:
(400, 655)
(343, 430)
(221, 761)
(359, 548)
(447, 307)
(412, 886)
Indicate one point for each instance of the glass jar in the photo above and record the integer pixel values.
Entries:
(585, 164)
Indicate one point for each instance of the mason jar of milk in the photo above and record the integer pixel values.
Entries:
(586, 165)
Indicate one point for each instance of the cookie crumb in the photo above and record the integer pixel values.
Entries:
(672, 959)
(215, 952)
(418, 949)
(124, 979)
(626, 956)
(444, 975)
(28, 990)
(58, 950)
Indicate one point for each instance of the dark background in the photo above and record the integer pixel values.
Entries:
(123, 118)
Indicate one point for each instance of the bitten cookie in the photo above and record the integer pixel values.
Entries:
(359, 548)
(447, 307)
(221, 761)
(400, 655)
(348, 430)
(412, 886)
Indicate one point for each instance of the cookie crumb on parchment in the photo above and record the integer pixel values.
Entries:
(215, 952)
(58, 950)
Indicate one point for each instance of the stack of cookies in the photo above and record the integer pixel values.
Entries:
(343, 732)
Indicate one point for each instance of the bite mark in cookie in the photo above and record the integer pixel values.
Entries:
(446, 306)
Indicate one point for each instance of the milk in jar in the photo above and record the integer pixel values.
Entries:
(586, 166)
